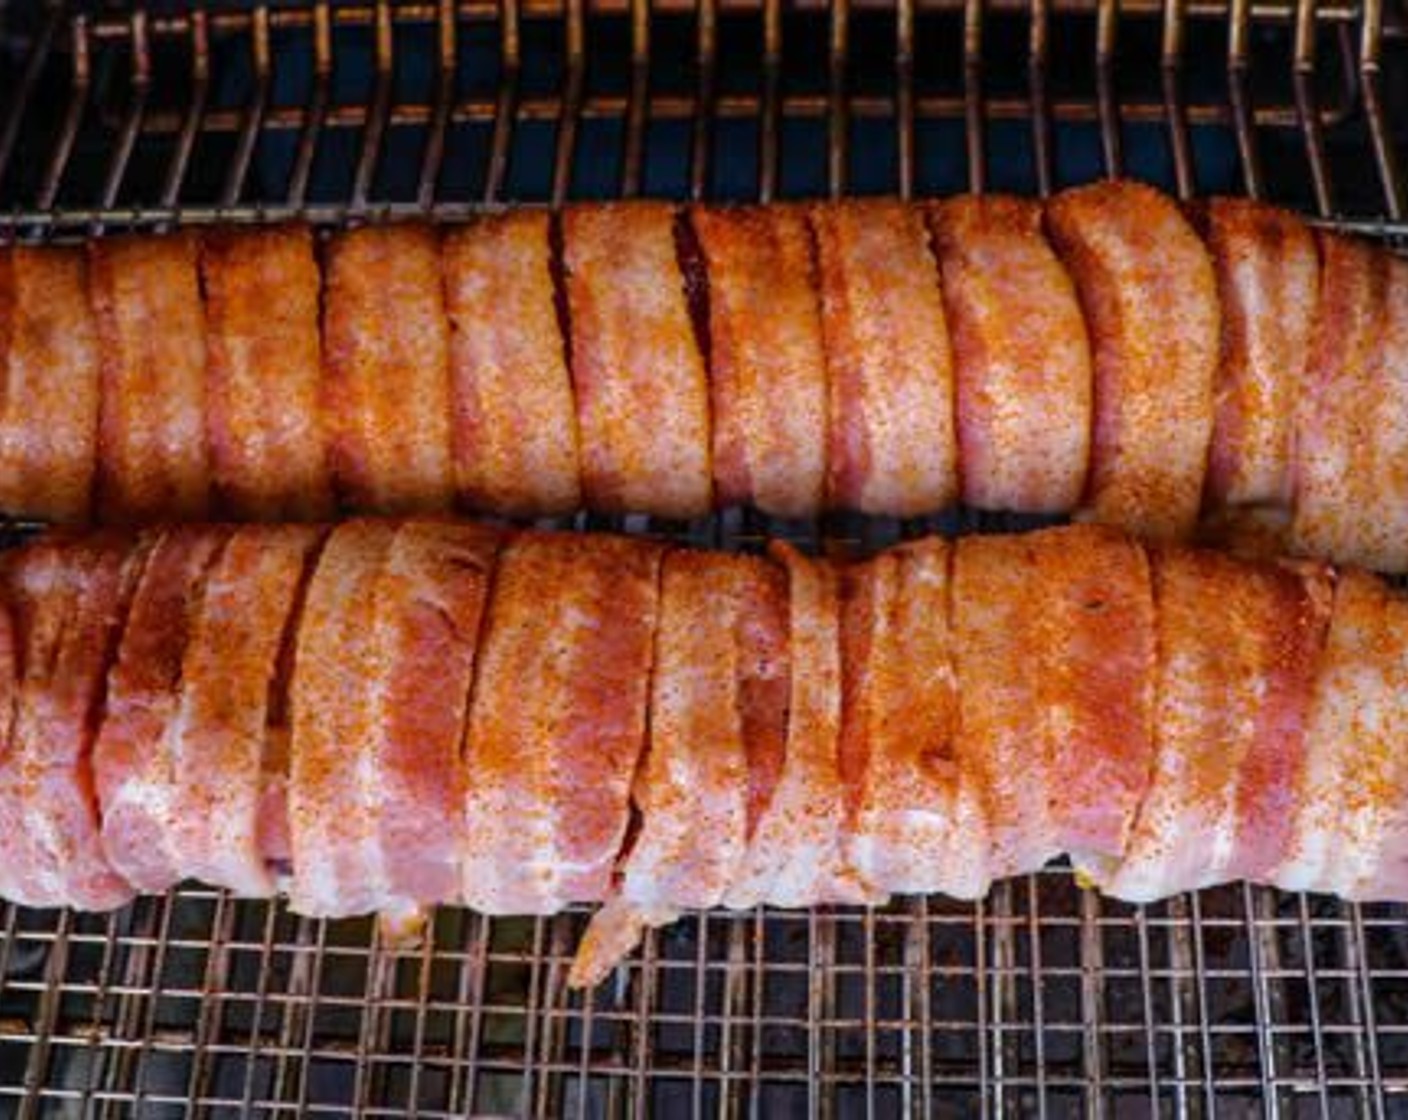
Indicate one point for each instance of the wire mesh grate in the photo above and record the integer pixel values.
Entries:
(1043, 999)
(351, 108)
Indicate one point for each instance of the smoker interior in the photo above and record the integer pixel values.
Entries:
(1041, 999)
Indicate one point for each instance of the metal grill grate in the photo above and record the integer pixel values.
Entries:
(1043, 999)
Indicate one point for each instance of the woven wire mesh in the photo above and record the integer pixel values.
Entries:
(1043, 999)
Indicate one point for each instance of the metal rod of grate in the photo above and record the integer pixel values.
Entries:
(1042, 999)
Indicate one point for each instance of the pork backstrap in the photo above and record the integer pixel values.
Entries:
(1107, 353)
(393, 714)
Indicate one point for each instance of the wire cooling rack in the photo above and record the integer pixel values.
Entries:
(1043, 999)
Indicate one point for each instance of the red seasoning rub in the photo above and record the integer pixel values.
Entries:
(642, 393)
(718, 728)
(1350, 818)
(767, 366)
(515, 425)
(1268, 281)
(136, 765)
(891, 443)
(1054, 636)
(152, 456)
(1147, 289)
(50, 387)
(1351, 469)
(387, 385)
(1239, 646)
(915, 820)
(1021, 357)
(1096, 641)
(268, 438)
(382, 677)
(68, 598)
(796, 852)
(557, 723)
(996, 616)
(227, 820)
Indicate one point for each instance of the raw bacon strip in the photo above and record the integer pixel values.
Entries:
(1350, 825)
(891, 443)
(152, 456)
(1268, 281)
(1022, 366)
(766, 362)
(1098, 667)
(69, 597)
(557, 722)
(268, 443)
(915, 821)
(515, 428)
(1054, 637)
(996, 617)
(387, 384)
(332, 757)
(381, 683)
(229, 742)
(1146, 286)
(49, 363)
(795, 854)
(642, 394)
(1351, 491)
(718, 719)
(1238, 648)
(432, 601)
(136, 764)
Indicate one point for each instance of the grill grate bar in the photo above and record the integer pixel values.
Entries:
(375, 128)
(1367, 1037)
(20, 98)
(633, 168)
(190, 124)
(1038, 1022)
(1107, 97)
(252, 117)
(734, 106)
(1175, 112)
(68, 132)
(1264, 954)
(1092, 955)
